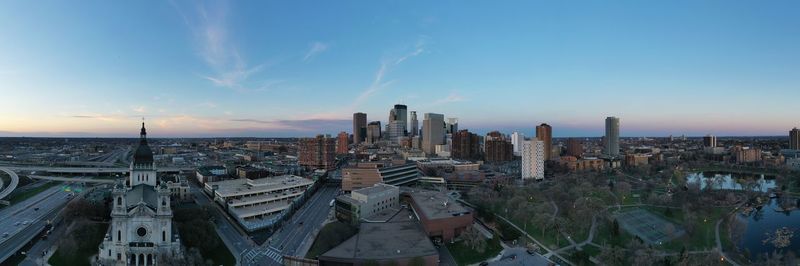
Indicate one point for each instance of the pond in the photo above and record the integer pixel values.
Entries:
(723, 180)
(763, 223)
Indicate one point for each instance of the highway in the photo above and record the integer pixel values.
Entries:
(294, 238)
(74, 179)
(35, 211)
(11, 186)
(89, 170)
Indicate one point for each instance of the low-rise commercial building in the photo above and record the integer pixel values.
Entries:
(634, 160)
(579, 165)
(391, 243)
(258, 203)
(441, 217)
(362, 175)
(363, 203)
(210, 173)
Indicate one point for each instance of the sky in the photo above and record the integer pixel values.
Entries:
(299, 68)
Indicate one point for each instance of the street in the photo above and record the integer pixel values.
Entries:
(295, 235)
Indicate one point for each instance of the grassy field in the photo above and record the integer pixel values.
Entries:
(549, 238)
(197, 231)
(465, 255)
(330, 236)
(704, 235)
(18, 197)
(84, 250)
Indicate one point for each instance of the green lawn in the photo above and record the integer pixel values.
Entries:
(603, 235)
(85, 249)
(18, 197)
(704, 235)
(197, 231)
(549, 238)
(330, 236)
(465, 255)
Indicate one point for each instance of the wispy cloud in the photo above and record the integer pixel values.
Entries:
(451, 98)
(315, 49)
(208, 23)
(386, 66)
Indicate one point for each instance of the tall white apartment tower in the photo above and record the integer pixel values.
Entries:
(516, 139)
(533, 159)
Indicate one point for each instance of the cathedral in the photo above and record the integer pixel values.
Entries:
(141, 227)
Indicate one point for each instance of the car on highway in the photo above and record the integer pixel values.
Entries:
(5, 235)
(17, 223)
(25, 222)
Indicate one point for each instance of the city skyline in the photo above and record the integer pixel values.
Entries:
(219, 69)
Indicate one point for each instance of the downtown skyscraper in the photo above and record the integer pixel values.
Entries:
(794, 139)
(359, 127)
(545, 133)
(611, 140)
(414, 125)
(432, 132)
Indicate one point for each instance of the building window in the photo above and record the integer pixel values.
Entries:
(164, 236)
(119, 201)
(119, 235)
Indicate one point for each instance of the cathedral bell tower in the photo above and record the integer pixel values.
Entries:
(142, 170)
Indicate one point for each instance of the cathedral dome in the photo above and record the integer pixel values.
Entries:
(143, 154)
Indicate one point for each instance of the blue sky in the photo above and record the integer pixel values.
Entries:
(297, 68)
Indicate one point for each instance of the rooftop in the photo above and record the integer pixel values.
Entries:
(436, 205)
(382, 241)
(375, 189)
(244, 186)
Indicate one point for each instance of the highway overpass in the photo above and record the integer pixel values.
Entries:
(91, 170)
(11, 186)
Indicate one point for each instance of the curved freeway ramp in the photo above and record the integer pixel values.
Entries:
(12, 185)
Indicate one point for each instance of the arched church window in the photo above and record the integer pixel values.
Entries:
(119, 235)
(119, 200)
(164, 236)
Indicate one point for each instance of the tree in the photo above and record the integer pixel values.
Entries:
(615, 228)
(623, 188)
(612, 255)
(417, 261)
(473, 239)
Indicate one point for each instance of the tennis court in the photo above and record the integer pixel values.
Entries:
(649, 227)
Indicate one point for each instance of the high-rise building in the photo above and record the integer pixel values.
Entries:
(373, 132)
(545, 134)
(452, 125)
(574, 148)
(342, 141)
(399, 113)
(498, 148)
(318, 152)
(395, 130)
(432, 132)
(414, 124)
(532, 165)
(710, 141)
(516, 139)
(466, 145)
(611, 140)
(359, 127)
(794, 139)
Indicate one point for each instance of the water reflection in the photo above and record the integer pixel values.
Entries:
(721, 180)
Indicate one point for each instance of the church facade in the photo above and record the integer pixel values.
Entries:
(141, 229)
